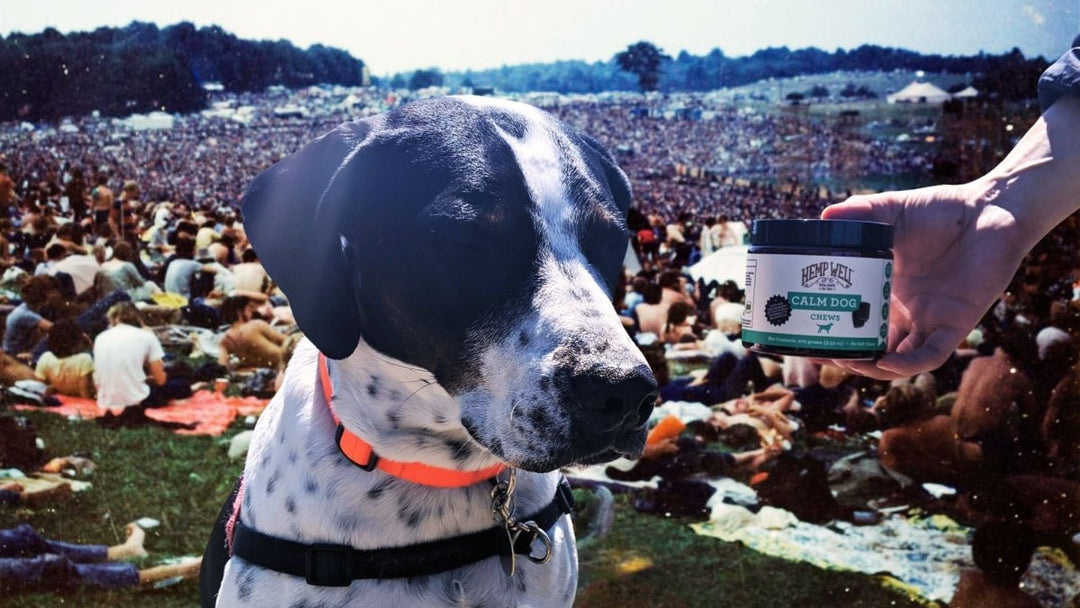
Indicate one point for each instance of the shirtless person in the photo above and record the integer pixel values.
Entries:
(250, 276)
(252, 341)
(102, 199)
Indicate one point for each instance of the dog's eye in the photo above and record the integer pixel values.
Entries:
(605, 250)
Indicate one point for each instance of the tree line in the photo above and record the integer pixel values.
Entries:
(141, 68)
(643, 66)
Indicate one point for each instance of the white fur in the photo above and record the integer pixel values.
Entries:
(293, 451)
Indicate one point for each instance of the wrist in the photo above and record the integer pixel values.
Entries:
(1037, 183)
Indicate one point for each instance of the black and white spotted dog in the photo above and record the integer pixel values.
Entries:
(454, 260)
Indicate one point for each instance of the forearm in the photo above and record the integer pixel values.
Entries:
(1038, 183)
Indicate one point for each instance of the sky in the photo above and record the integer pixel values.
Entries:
(392, 36)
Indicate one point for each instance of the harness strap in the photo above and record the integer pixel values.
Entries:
(360, 453)
(329, 565)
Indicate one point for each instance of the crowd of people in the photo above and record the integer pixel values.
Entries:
(105, 231)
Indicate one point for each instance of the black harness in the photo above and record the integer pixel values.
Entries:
(329, 565)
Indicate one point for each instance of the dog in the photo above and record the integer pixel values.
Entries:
(451, 264)
(824, 327)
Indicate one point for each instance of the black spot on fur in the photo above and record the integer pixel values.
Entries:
(519, 581)
(290, 505)
(272, 482)
(394, 418)
(539, 418)
(377, 490)
(523, 339)
(310, 485)
(293, 456)
(349, 521)
(247, 584)
(440, 419)
(373, 386)
(459, 450)
(411, 517)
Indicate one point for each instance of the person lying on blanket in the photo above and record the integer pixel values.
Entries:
(29, 561)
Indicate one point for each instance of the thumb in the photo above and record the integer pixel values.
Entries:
(882, 207)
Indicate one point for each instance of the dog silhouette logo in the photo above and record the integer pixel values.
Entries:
(824, 327)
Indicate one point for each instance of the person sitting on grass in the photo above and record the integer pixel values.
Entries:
(29, 561)
(67, 367)
(252, 341)
(26, 322)
(121, 274)
(129, 374)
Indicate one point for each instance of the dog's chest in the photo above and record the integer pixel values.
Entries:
(298, 486)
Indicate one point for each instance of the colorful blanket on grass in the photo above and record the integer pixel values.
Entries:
(920, 556)
(210, 412)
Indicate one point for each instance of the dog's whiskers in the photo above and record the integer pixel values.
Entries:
(513, 408)
(398, 364)
(411, 395)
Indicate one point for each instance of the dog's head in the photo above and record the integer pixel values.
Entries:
(481, 240)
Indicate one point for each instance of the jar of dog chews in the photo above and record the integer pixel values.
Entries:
(818, 288)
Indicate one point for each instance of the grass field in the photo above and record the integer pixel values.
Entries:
(645, 561)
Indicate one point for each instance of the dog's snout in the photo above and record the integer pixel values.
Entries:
(609, 403)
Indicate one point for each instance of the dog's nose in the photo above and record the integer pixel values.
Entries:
(622, 402)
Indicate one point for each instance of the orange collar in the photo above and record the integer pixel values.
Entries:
(360, 453)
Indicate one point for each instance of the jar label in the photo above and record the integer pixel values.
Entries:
(831, 303)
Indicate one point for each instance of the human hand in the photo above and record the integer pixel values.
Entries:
(956, 248)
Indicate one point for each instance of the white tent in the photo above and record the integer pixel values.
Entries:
(970, 91)
(724, 264)
(919, 92)
(153, 120)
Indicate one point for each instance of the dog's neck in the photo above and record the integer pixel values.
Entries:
(403, 412)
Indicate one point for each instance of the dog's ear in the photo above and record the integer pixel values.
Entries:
(291, 215)
(617, 181)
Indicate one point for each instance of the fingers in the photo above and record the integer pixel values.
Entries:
(928, 356)
(909, 359)
(884, 207)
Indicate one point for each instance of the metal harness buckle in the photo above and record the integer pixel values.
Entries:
(502, 511)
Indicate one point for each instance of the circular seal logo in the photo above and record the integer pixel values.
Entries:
(886, 289)
(777, 310)
(885, 310)
(888, 270)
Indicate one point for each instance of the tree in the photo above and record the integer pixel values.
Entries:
(818, 91)
(643, 59)
(422, 79)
